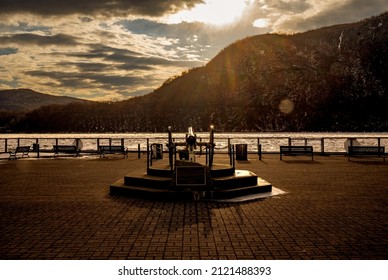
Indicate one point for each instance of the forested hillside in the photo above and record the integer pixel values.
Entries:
(330, 79)
(14, 103)
(28, 100)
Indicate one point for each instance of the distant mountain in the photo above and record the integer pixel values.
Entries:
(28, 100)
(329, 79)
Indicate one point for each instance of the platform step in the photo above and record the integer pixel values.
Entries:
(217, 170)
(241, 178)
(161, 171)
(145, 180)
(261, 186)
(120, 188)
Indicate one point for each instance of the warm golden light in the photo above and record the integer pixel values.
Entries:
(216, 12)
(261, 23)
(286, 106)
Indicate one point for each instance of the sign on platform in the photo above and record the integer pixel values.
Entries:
(190, 176)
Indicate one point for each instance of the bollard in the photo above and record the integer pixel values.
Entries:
(241, 152)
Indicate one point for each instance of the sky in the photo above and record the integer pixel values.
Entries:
(110, 50)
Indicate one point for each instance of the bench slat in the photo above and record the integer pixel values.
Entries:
(67, 149)
(294, 150)
(354, 151)
(116, 149)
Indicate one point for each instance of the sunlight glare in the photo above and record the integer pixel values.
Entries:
(216, 12)
(286, 106)
(261, 22)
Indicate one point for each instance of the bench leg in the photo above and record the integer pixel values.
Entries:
(12, 156)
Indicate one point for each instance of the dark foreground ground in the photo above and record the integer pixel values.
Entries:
(61, 209)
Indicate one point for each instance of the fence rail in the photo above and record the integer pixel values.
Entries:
(270, 144)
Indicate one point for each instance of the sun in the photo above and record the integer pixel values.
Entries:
(215, 12)
(261, 22)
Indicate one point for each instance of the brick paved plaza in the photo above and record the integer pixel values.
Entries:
(61, 209)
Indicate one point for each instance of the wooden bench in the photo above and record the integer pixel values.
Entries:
(296, 150)
(24, 150)
(354, 151)
(103, 150)
(66, 149)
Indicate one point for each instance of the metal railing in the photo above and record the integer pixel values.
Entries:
(321, 145)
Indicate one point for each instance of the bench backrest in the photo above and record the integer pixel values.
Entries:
(111, 148)
(65, 148)
(367, 149)
(304, 149)
(22, 149)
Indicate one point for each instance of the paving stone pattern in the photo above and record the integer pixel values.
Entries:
(61, 209)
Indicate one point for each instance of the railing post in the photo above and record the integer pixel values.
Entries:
(379, 142)
(138, 150)
(200, 147)
(322, 146)
(233, 157)
(171, 152)
(6, 145)
(148, 154)
(211, 155)
(259, 148)
(37, 147)
(289, 141)
(229, 154)
(207, 154)
(77, 141)
(174, 153)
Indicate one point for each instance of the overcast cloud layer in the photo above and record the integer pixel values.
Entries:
(113, 50)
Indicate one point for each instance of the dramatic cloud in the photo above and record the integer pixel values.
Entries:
(8, 51)
(104, 49)
(95, 7)
(301, 15)
(34, 39)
